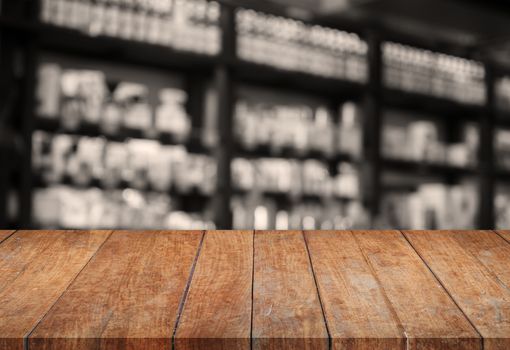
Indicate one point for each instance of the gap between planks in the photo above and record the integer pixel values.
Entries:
(27, 336)
(5, 234)
(503, 234)
(186, 290)
(445, 289)
(383, 290)
(330, 341)
(252, 286)
(480, 262)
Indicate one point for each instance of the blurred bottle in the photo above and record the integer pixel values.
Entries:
(292, 45)
(435, 74)
(190, 25)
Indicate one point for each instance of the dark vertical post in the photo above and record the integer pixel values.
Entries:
(372, 127)
(4, 173)
(4, 181)
(195, 88)
(223, 81)
(486, 154)
(30, 62)
(28, 99)
(17, 56)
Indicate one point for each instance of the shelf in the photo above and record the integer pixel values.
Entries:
(193, 144)
(120, 50)
(425, 169)
(289, 153)
(20, 26)
(502, 119)
(439, 107)
(399, 188)
(288, 197)
(174, 192)
(265, 75)
(503, 175)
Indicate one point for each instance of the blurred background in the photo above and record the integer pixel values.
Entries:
(286, 114)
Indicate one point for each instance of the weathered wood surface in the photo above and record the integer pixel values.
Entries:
(35, 269)
(505, 234)
(286, 307)
(217, 311)
(4, 234)
(465, 263)
(428, 315)
(341, 290)
(127, 297)
(357, 310)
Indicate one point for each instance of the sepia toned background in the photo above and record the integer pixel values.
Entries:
(283, 114)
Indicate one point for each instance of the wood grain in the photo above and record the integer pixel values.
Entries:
(127, 297)
(217, 310)
(505, 234)
(490, 249)
(240, 290)
(358, 313)
(286, 308)
(4, 234)
(36, 267)
(469, 274)
(430, 318)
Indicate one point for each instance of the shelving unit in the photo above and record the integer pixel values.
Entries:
(226, 71)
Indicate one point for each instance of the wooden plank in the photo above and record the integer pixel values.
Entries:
(505, 234)
(127, 297)
(430, 318)
(286, 309)
(36, 267)
(490, 249)
(217, 310)
(4, 234)
(483, 297)
(358, 314)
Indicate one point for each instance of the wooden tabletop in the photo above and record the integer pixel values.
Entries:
(352, 290)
